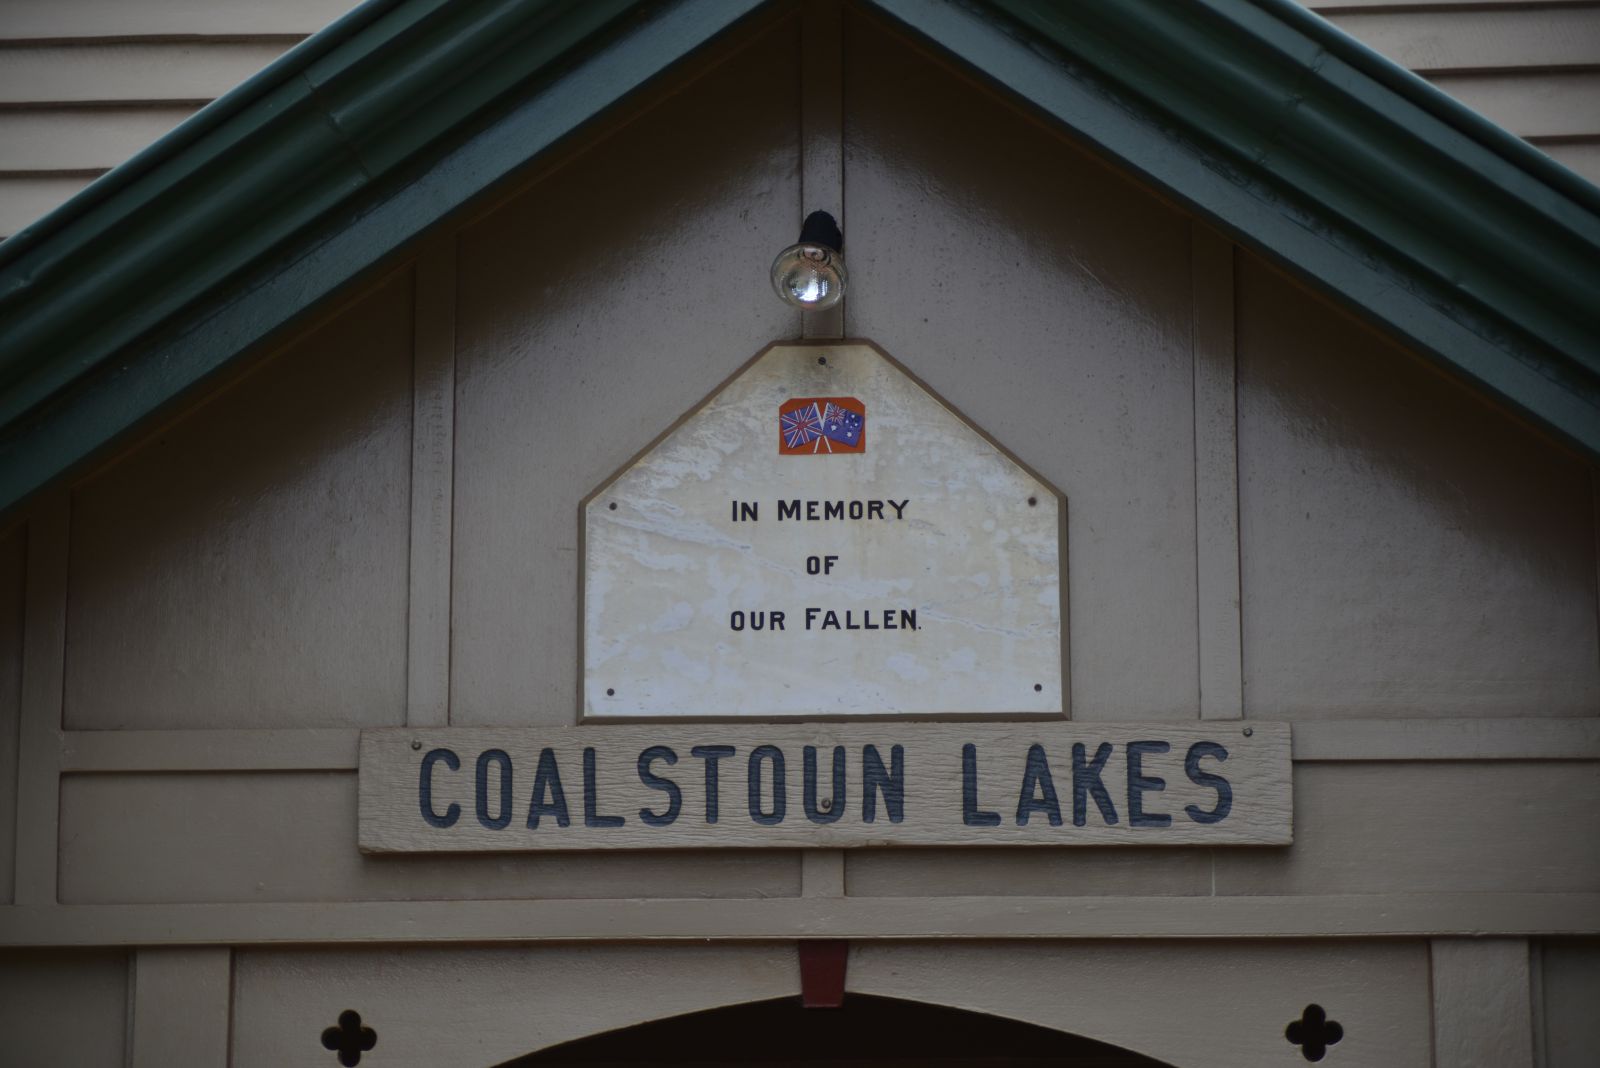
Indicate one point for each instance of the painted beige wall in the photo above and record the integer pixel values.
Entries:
(1048, 298)
(1475, 588)
(1196, 1006)
(377, 525)
(1370, 487)
(1348, 840)
(593, 310)
(1220, 1005)
(501, 1001)
(210, 837)
(63, 1007)
(272, 520)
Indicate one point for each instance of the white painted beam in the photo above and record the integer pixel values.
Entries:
(319, 922)
(822, 139)
(1216, 477)
(43, 668)
(432, 483)
(1318, 741)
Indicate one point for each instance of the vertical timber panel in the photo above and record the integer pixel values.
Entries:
(822, 873)
(13, 583)
(181, 1006)
(245, 564)
(65, 1007)
(1409, 548)
(39, 736)
(1570, 991)
(822, 189)
(822, 138)
(432, 471)
(595, 307)
(1216, 477)
(1482, 1003)
(1048, 297)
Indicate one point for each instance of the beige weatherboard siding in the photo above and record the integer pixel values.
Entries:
(86, 84)
(1530, 67)
(822, 537)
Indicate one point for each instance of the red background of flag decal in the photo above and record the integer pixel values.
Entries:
(814, 443)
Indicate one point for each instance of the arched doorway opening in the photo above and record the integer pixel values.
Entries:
(865, 1031)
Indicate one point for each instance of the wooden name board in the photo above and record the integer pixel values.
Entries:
(879, 784)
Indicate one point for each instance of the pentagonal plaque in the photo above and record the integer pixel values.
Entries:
(823, 537)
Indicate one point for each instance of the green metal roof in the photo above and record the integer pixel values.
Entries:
(1304, 145)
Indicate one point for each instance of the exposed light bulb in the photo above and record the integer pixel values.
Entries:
(810, 274)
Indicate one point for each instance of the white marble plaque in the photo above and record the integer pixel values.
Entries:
(822, 536)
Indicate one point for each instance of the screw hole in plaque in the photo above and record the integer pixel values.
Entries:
(612, 506)
(1038, 687)
(610, 692)
(1032, 501)
(823, 360)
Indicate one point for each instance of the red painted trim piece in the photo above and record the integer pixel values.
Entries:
(822, 966)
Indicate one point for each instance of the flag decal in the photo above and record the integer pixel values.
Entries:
(820, 426)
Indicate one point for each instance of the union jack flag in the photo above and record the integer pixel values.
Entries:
(801, 426)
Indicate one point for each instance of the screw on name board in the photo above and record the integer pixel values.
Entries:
(1249, 731)
(416, 743)
(612, 506)
(1032, 501)
(610, 692)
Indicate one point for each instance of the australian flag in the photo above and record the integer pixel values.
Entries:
(841, 424)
